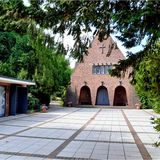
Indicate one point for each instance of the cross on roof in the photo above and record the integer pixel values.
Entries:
(102, 47)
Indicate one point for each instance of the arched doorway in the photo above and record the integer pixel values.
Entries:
(102, 96)
(120, 97)
(85, 96)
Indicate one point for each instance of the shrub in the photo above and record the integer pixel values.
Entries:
(33, 102)
(157, 128)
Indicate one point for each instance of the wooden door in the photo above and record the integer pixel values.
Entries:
(85, 96)
(120, 98)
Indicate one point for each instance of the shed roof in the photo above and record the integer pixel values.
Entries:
(10, 80)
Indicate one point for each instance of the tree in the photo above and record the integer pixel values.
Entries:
(27, 53)
(147, 78)
(52, 73)
(133, 19)
(30, 58)
(15, 53)
(147, 82)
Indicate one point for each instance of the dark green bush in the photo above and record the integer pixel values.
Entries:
(33, 103)
(157, 128)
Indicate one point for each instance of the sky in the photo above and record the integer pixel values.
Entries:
(68, 42)
(26, 2)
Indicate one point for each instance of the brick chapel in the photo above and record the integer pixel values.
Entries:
(91, 83)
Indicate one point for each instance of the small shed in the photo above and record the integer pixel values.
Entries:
(13, 96)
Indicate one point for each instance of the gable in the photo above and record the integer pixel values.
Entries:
(103, 52)
(93, 73)
(101, 55)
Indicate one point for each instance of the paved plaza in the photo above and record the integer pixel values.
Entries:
(80, 133)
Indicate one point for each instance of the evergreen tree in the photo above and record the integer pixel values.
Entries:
(133, 19)
(24, 57)
(147, 79)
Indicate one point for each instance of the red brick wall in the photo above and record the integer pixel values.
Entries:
(83, 73)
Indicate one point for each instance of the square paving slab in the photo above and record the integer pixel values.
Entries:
(80, 133)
